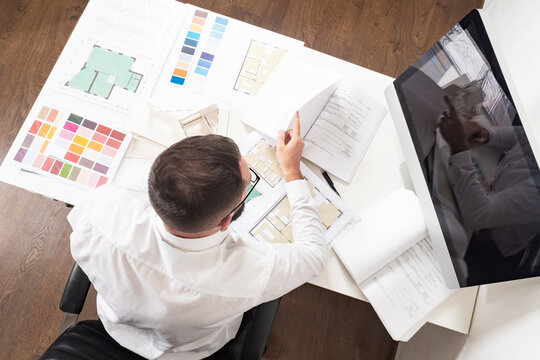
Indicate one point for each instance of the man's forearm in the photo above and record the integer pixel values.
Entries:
(296, 263)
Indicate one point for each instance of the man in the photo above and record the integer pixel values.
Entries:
(505, 215)
(173, 280)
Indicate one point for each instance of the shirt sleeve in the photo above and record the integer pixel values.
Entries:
(481, 209)
(297, 263)
(501, 138)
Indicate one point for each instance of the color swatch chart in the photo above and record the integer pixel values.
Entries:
(199, 65)
(71, 148)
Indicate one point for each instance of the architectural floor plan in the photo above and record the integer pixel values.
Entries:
(259, 62)
(103, 71)
(262, 158)
(277, 225)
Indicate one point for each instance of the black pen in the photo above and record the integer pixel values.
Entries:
(329, 181)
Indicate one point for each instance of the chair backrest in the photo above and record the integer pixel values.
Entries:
(87, 340)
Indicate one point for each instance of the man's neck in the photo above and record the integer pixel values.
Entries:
(186, 235)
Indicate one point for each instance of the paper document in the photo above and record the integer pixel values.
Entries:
(117, 51)
(386, 229)
(343, 130)
(267, 213)
(407, 290)
(68, 147)
(292, 87)
(338, 119)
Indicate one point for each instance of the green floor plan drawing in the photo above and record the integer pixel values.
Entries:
(104, 70)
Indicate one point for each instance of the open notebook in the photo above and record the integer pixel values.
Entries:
(389, 255)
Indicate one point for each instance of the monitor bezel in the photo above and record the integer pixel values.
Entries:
(501, 71)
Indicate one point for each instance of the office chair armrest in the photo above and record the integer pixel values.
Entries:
(75, 291)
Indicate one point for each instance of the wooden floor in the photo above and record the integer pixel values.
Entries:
(312, 323)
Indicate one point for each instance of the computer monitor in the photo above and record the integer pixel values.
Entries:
(470, 158)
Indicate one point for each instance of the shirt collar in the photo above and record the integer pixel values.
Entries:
(190, 244)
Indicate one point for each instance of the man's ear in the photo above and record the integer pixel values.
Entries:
(224, 224)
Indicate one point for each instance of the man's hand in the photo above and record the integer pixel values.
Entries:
(475, 133)
(289, 151)
(452, 129)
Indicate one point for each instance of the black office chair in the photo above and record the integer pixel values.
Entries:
(88, 339)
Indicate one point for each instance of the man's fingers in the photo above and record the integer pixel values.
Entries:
(451, 107)
(444, 118)
(284, 137)
(296, 125)
(287, 136)
(280, 138)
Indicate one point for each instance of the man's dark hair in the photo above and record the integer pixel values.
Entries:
(196, 182)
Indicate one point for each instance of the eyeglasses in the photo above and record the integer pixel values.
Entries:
(252, 183)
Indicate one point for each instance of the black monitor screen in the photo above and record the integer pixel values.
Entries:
(480, 170)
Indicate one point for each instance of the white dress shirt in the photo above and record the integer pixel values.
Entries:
(511, 206)
(167, 297)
